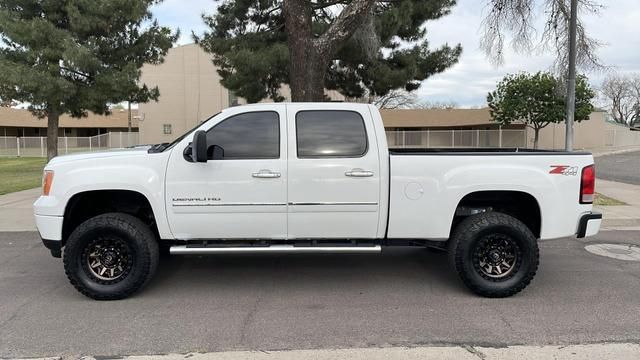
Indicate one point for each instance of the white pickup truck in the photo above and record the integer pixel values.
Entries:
(308, 178)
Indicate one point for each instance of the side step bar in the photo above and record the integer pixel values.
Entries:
(273, 249)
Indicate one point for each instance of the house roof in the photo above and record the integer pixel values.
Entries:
(402, 118)
(23, 118)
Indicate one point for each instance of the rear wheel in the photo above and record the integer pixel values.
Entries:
(111, 256)
(495, 254)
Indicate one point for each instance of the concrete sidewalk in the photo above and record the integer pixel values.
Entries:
(16, 210)
(618, 216)
(588, 351)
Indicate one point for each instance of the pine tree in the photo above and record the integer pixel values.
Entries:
(358, 47)
(76, 56)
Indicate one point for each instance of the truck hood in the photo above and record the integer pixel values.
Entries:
(138, 151)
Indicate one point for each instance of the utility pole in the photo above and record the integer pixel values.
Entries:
(571, 83)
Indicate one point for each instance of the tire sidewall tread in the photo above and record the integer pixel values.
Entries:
(135, 232)
(474, 227)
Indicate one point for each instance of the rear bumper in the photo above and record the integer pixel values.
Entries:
(589, 224)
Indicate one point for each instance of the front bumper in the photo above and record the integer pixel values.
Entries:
(589, 224)
(50, 229)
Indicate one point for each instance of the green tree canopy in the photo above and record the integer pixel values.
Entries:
(358, 47)
(537, 100)
(75, 56)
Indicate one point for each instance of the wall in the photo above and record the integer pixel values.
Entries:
(190, 92)
(588, 134)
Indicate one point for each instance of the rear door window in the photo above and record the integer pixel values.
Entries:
(330, 133)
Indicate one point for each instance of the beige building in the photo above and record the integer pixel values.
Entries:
(474, 128)
(21, 123)
(190, 92)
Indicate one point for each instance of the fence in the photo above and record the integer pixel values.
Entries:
(37, 146)
(456, 138)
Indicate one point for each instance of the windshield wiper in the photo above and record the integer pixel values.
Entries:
(156, 148)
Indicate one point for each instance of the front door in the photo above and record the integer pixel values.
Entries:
(243, 194)
(334, 174)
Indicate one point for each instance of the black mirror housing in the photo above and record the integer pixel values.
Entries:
(199, 146)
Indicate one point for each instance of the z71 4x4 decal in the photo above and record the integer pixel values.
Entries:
(564, 170)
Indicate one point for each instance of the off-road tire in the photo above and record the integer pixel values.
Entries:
(138, 238)
(464, 243)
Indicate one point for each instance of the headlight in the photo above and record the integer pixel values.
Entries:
(47, 180)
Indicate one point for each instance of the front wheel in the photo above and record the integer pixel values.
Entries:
(110, 256)
(495, 254)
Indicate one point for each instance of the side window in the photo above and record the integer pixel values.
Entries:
(252, 135)
(330, 133)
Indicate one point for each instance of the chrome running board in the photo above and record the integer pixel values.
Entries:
(273, 249)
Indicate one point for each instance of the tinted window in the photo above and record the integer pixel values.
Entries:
(330, 133)
(254, 135)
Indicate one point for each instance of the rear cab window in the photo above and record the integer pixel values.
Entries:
(330, 133)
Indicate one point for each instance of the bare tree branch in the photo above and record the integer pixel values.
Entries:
(517, 18)
(621, 94)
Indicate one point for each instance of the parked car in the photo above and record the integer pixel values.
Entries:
(308, 178)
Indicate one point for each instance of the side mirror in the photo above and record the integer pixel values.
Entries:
(199, 146)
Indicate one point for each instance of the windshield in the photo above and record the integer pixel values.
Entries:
(174, 142)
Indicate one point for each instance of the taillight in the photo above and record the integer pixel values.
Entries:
(588, 184)
(47, 180)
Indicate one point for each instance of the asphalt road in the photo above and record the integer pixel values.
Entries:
(403, 297)
(623, 167)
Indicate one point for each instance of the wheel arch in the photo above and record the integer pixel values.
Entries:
(87, 204)
(519, 204)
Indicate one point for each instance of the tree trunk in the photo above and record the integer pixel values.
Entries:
(309, 56)
(536, 136)
(306, 66)
(53, 118)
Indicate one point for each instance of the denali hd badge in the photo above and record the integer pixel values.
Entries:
(564, 170)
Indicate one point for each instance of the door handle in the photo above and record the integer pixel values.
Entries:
(266, 174)
(359, 173)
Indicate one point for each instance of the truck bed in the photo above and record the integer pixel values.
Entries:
(426, 190)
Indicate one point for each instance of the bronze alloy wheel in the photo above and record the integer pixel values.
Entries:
(107, 260)
(496, 257)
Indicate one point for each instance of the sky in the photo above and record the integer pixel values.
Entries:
(468, 82)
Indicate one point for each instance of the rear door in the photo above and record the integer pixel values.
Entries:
(334, 175)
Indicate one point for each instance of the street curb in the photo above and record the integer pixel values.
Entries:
(614, 152)
(620, 222)
(462, 352)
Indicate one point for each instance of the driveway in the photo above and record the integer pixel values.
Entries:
(404, 297)
(624, 167)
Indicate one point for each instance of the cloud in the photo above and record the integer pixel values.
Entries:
(178, 15)
(468, 82)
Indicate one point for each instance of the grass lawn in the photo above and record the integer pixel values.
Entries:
(20, 173)
(603, 200)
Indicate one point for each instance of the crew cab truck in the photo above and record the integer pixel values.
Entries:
(308, 178)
